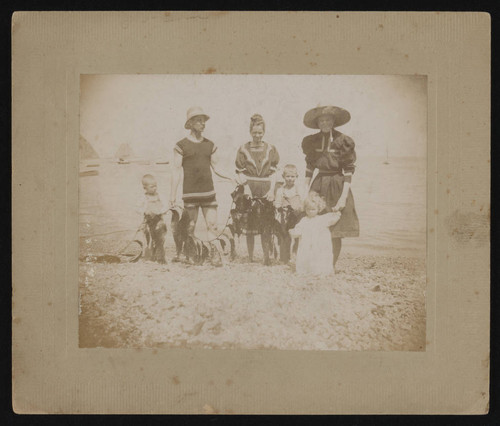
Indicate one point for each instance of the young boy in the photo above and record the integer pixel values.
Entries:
(153, 226)
(289, 205)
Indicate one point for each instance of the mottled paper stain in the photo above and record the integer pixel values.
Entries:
(175, 380)
(229, 382)
(209, 70)
(468, 227)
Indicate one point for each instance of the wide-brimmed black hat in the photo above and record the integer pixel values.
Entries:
(340, 116)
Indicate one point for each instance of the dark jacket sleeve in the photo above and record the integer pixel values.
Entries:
(308, 150)
(348, 156)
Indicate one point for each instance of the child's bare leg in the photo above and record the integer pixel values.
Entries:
(285, 247)
(265, 239)
(337, 246)
(250, 245)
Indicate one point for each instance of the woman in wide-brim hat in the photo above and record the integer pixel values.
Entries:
(333, 155)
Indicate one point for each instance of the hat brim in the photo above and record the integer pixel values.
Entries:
(340, 116)
(186, 124)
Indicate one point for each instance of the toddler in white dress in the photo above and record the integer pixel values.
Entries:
(315, 255)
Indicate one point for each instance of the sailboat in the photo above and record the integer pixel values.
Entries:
(386, 156)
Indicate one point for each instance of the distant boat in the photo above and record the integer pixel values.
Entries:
(124, 151)
(84, 173)
(93, 165)
(162, 162)
(386, 156)
(134, 161)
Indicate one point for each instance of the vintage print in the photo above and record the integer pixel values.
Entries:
(253, 212)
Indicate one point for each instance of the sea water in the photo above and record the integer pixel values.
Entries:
(390, 201)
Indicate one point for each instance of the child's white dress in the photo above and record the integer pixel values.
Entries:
(315, 255)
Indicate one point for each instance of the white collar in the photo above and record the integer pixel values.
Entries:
(193, 139)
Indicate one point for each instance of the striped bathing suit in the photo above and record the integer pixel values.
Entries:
(198, 187)
(257, 163)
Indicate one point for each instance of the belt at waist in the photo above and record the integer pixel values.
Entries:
(329, 172)
(258, 179)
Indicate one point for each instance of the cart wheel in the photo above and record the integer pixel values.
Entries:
(132, 251)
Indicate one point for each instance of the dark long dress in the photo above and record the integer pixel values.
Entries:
(333, 160)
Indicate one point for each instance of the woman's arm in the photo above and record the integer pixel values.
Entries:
(176, 177)
(278, 202)
(270, 193)
(348, 162)
(214, 159)
(343, 197)
(274, 159)
(331, 218)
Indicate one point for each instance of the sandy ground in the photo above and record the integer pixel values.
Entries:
(373, 303)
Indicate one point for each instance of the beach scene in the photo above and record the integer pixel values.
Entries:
(375, 301)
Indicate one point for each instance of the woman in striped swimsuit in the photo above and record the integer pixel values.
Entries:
(256, 165)
(196, 155)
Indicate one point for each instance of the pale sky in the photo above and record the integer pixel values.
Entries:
(148, 111)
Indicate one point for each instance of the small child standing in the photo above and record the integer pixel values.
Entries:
(315, 254)
(288, 203)
(153, 225)
(289, 194)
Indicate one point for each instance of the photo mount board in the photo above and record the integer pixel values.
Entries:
(50, 50)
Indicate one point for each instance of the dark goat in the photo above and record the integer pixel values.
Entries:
(194, 249)
(254, 216)
(155, 232)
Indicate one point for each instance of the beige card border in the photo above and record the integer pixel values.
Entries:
(52, 375)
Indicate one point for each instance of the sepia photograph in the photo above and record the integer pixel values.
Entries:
(253, 211)
(224, 212)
